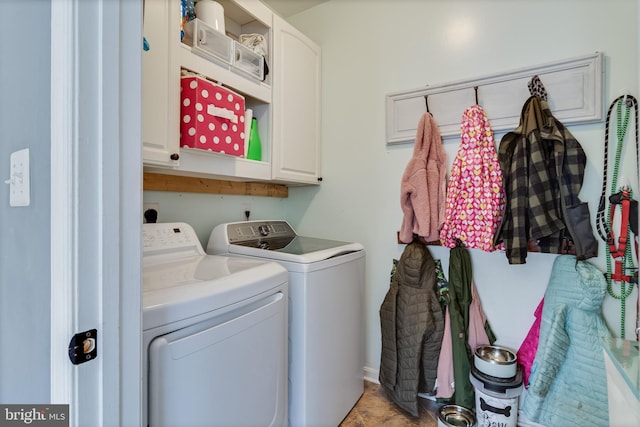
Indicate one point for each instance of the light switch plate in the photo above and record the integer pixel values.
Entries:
(19, 181)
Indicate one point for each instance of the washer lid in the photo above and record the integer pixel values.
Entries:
(302, 249)
(275, 240)
(176, 289)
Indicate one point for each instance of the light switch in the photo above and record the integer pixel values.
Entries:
(19, 180)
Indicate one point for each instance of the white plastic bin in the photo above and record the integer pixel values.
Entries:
(247, 61)
(207, 42)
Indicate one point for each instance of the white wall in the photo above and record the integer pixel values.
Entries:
(373, 47)
(204, 211)
(24, 236)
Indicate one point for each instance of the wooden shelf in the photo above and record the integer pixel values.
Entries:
(188, 184)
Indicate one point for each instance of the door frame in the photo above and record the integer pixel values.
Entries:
(96, 204)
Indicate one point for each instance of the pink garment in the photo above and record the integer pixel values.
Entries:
(477, 319)
(475, 196)
(529, 347)
(477, 336)
(423, 188)
(445, 383)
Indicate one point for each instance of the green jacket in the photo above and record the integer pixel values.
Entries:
(460, 277)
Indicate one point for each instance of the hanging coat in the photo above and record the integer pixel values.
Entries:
(475, 196)
(479, 333)
(423, 186)
(527, 351)
(568, 383)
(543, 168)
(468, 328)
(412, 325)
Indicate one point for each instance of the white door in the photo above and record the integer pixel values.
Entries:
(95, 207)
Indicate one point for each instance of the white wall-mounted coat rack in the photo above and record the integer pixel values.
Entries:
(574, 89)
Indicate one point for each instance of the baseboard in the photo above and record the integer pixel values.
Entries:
(371, 375)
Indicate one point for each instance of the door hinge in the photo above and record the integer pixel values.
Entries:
(83, 347)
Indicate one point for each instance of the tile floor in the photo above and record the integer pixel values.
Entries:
(374, 409)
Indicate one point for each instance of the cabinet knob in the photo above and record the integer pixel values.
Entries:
(174, 156)
(319, 178)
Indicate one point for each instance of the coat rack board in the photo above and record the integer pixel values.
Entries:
(574, 89)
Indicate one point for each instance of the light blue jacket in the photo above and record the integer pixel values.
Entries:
(568, 384)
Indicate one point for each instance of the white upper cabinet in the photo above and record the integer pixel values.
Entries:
(285, 102)
(160, 131)
(296, 106)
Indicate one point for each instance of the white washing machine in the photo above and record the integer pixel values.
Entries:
(214, 334)
(326, 314)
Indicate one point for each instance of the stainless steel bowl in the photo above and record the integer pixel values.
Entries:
(456, 416)
(495, 361)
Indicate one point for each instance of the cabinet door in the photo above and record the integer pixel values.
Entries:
(161, 83)
(296, 106)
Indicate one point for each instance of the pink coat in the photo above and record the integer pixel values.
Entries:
(529, 347)
(475, 196)
(423, 188)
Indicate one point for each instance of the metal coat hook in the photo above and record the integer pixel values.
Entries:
(475, 88)
(627, 99)
(426, 101)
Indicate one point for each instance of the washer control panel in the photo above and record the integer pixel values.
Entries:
(169, 237)
(255, 231)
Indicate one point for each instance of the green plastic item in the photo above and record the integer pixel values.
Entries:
(254, 151)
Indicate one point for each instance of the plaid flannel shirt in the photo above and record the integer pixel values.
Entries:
(543, 167)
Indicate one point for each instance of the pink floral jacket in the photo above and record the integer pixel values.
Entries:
(475, 198)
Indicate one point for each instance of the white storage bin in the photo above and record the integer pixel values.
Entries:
(247, 61)
(208, 42)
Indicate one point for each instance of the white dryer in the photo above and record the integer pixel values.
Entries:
(214, 334)
(326, 314)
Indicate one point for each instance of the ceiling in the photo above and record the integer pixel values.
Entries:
(287, 8)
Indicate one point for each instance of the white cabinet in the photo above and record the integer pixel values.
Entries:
(296, 106)
(285, 104)
(160, 131)
(241, 17)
